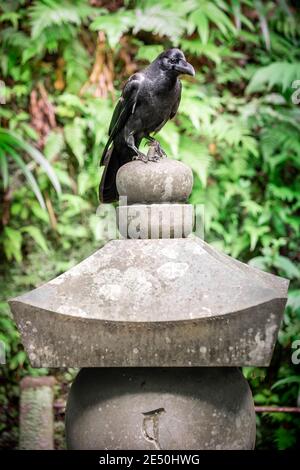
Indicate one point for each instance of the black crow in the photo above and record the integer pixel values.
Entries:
(149, 99)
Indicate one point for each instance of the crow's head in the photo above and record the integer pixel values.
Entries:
(173, 60)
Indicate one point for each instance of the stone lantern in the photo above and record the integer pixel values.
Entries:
(160, 323)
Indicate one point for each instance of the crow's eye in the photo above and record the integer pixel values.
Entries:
(173, 61)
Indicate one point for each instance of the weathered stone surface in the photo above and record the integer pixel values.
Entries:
(199, 408)
(36, 413)
(162, 303)
(163, 181)
(146, 221)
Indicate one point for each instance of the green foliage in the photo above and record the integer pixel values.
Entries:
(48, 13)
(281, 74)
(114, 25)
(10, 147)
(237, 127)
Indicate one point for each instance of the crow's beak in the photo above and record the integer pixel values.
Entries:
(185, 68)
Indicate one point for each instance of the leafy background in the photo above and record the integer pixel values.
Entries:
(62, 67)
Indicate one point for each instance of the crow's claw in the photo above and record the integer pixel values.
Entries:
(140, 157)
(157, 151)
(161, 152)
(154, 158)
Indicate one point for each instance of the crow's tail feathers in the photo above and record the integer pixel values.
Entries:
(108, 189)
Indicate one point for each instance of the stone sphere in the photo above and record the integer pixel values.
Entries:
(163, 181)
(157, 408)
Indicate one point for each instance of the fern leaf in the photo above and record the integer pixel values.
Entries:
(281, 74)
(46, 13)
(161, 21)
(114, 25)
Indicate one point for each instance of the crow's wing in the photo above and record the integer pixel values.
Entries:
(116, 114)
(125, 107)
(176, 105)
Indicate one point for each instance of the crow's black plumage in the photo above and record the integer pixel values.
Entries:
(149, 99)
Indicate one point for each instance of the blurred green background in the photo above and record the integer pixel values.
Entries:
(62, 67)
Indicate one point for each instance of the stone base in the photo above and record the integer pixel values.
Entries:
(144, 221)
(153, 303)
(148, 409)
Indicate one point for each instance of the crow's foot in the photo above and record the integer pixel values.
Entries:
(160, 151)
(141, 157)
(155, 152)
(154, 158)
